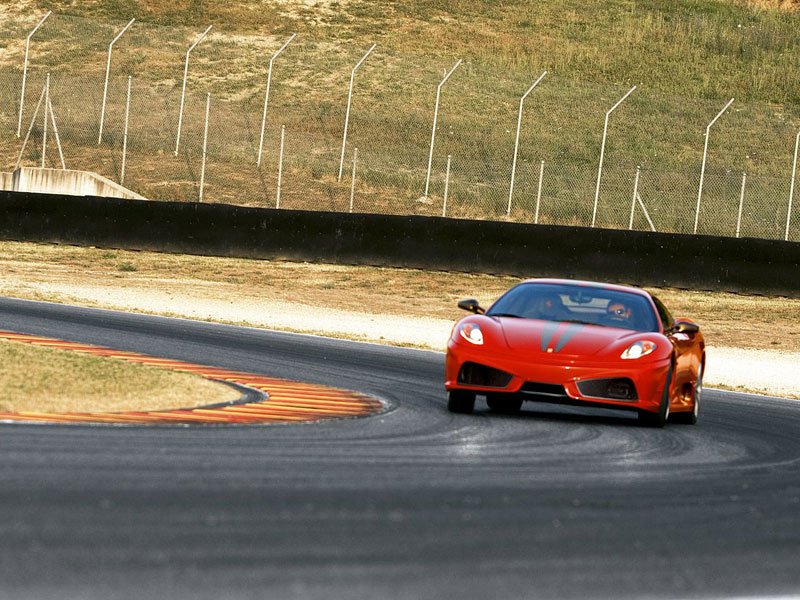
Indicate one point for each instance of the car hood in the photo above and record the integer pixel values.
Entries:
(559, 338)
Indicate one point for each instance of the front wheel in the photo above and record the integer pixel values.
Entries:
(659, 419)
(690, 418)
(461, 401)
(656, 419)
(504, 405)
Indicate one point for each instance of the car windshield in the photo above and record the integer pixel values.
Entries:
(577, 304)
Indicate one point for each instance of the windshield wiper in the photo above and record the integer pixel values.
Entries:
(513, 316)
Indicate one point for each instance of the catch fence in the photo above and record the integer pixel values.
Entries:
(390, 123)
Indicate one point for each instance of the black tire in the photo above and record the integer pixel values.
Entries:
(659, 419)
(461, 401)
(690, 418)
(506, 405)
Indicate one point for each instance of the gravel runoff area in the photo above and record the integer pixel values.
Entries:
(771, 372)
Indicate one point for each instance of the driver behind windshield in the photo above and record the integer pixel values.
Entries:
(550, 308)
(618, 314)
(576, 304)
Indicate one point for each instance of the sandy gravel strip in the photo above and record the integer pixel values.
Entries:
(770, 372)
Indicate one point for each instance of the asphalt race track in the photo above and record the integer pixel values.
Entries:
(414, 503)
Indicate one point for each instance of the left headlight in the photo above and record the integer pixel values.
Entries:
(472, 333)
(639, 349)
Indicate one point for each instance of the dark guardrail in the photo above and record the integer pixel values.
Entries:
(641, 258)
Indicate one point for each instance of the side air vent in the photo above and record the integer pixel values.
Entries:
(475, 374)
(620, 388)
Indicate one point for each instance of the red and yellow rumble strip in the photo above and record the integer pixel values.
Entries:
(289, 401)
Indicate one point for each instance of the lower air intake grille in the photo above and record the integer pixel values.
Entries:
(550, 390)
(620, 388)
(481, 375)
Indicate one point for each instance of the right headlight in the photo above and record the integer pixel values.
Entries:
(638, 350)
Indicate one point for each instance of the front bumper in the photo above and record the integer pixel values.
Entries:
(648, 376)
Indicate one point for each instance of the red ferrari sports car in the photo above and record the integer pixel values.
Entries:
(577, 342)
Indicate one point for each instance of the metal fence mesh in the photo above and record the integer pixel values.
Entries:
(390, 124)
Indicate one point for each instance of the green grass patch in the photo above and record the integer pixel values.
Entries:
(41, 379)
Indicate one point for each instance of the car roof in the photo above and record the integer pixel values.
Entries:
(595, 284)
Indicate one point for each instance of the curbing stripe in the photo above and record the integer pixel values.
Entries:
(288, 401)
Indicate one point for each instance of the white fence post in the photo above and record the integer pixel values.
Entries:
(30, 129)
(44, 126)
(183, 89)
(435, 118)
(25, 70)
(205, 148)
(603, 151)
(105, 85)
(353, 179)
(646, 214)
(539, 193)
(516, 141)
(446, 185)
(635, 195)
(125, 133)
(347, 113)
(266, 98)
(280, 168)
(791, 187)
(741, 205)
(703, 167)
(55, 132)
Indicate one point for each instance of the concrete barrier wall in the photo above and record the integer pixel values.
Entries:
(641, 258)
(60, 181)
(6, 181)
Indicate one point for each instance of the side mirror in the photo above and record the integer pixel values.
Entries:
(686, 327)
(471, 305)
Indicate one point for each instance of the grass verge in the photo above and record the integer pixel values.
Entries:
(36, 379)
(688, 57)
